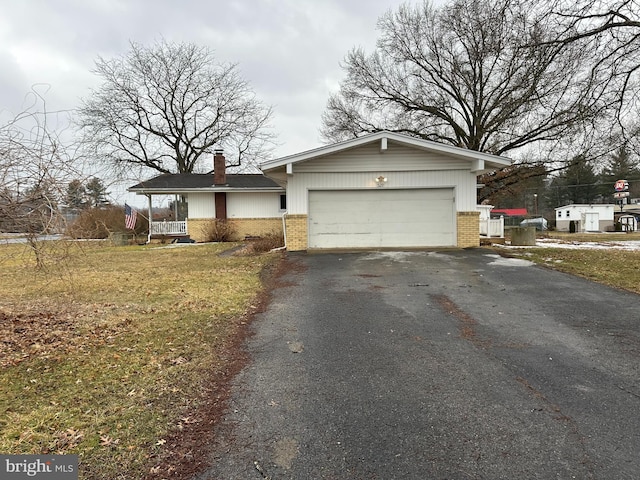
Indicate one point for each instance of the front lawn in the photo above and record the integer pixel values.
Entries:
(109, 353)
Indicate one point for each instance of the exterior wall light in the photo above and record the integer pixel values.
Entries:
(380, 181)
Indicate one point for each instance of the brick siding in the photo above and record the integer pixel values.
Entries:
(244, 227)
(296, 232)
(195, 228)
(468, 229)
(256, 227)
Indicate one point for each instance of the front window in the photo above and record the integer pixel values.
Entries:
(283, 202)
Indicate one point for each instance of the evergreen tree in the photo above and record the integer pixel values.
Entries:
(96, 193)
(621, 166)
(76, 194)
(578, 183)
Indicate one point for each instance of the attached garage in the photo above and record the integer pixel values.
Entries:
(382, 218)
(382, 190)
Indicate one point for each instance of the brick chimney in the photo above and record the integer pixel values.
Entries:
(220, 178)
(219, 168)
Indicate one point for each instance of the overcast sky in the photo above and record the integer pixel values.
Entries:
(289, 50)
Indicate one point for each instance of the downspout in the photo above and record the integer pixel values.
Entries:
(284, 231)
(150, 219)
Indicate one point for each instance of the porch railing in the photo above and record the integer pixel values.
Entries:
(168, 228)
(492, 227)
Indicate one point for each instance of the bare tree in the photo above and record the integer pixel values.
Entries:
(165, 106)
(619, 19)
(479, 74)
(610, 31)
(475, 74)
(34, 169)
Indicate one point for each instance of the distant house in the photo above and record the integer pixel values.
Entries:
(252, 203)
(586, 218)
(382, 190)
(512, 216)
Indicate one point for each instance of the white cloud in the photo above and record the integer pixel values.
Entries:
(289, 50)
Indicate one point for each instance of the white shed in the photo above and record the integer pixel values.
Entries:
(586, 217)
(629, 223)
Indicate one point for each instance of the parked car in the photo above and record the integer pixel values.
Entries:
(540, 223)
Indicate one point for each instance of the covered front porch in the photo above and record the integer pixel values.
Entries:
(168, 229)
(173, 225)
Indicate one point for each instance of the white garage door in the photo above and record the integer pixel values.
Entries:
(381, 218)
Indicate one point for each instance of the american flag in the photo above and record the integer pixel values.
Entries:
(130, 217)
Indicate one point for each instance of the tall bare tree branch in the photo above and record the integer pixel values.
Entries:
(165, 106)
(35, 167)
(610, 30)
(476, 74)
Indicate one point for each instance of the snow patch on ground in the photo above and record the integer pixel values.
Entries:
(509, 262)
(631, 245)
(402, 257)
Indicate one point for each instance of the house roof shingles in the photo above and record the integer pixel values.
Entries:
(204, 181)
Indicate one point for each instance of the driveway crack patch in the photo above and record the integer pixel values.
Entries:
(467, 326)
(556, 413)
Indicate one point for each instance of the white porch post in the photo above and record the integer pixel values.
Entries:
(150, 218)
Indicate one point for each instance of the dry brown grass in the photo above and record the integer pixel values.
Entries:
(613, 267)
(103, 356)
(592, 237)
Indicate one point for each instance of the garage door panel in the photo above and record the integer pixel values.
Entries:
(381, 218)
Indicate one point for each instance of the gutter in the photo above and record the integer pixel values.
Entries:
(182, 191)
(284, 231)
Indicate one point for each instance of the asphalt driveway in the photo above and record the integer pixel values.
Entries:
(436, 365)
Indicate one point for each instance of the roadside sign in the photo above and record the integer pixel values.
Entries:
(620, 194)
(621, 186)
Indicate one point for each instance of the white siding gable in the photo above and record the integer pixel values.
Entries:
(402, 165)
(370, 158)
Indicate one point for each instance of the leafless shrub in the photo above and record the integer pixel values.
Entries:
(217, 230)
(266, 243)
(35, 167)
(100, 223)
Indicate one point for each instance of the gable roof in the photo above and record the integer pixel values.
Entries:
(203, 182)
(482, 161)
